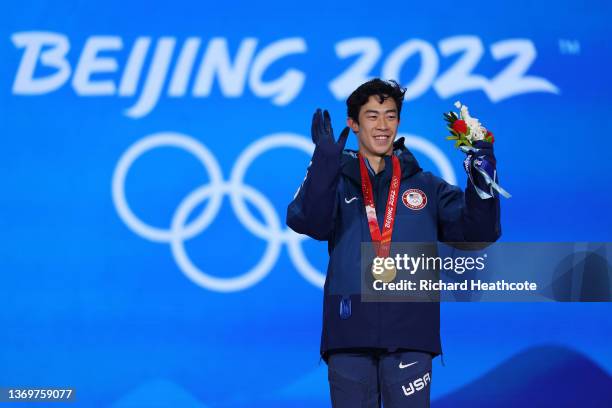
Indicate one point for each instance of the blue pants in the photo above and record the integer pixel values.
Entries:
(361, 379)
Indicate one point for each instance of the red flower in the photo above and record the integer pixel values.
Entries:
(460, 126)
(490, 135)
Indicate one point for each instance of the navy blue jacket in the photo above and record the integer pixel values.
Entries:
(325, 209)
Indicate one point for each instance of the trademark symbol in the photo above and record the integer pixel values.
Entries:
(569, 47)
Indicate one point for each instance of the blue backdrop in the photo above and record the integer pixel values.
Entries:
(149, 151)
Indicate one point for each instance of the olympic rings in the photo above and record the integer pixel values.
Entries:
(272, 230)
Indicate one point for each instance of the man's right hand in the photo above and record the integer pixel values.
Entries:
(323, 134)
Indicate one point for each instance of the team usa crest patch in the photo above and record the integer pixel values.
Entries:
(414, 199)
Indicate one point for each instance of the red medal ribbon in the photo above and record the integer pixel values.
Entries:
(382, 242)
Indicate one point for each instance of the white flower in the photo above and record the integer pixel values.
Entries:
(479, 134)
(464, 113)
(477, 131)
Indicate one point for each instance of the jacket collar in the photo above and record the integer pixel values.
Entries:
(408, 163)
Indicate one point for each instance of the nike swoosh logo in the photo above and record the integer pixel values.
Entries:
(349, 201)
(407, 365)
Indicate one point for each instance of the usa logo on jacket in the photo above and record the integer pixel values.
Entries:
(414, 199)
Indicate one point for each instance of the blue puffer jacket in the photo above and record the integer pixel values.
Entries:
(325, 208)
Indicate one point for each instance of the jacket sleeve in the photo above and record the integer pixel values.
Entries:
(312, 210)
(465, 217)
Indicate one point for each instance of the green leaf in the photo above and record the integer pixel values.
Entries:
(452, 138)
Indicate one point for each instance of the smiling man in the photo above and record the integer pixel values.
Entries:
(380, 350)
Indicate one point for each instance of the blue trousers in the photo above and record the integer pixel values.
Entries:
(362, 379)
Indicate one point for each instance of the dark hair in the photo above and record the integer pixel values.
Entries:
(378, 87)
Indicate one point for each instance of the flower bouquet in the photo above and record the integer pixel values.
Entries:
(466, 130)
(469, 136)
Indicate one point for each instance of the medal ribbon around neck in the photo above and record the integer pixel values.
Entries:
(382, 242)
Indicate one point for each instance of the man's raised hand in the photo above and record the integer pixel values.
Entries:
(323, 134)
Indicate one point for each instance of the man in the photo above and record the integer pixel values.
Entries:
(381, 350)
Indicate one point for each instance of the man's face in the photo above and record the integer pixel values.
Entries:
(377, 126)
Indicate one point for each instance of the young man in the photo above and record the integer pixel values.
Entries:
(381, 350)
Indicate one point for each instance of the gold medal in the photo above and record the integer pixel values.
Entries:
(386, 271)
